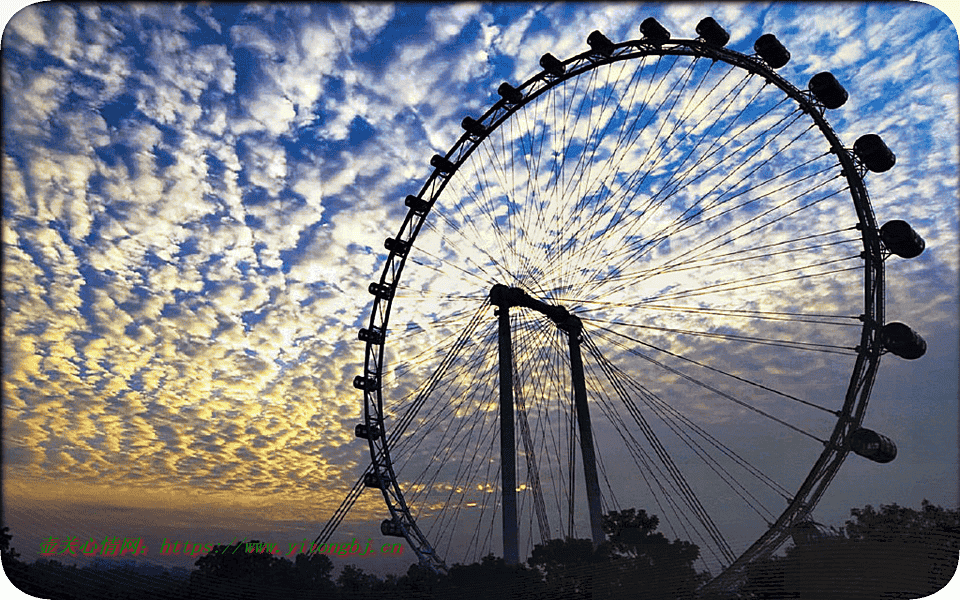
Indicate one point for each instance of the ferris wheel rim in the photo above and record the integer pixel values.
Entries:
(868, 354)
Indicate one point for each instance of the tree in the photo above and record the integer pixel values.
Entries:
(491, 577)
(906, 551)
(930, 525)
(635, 560)
(312, 573)
(235, 571)
(355, 584)
(14, 568)
(893, 552)
(569, 568)
(419, 583)
(650, 564)
(765, 580)
(627, 530)
(6, 552)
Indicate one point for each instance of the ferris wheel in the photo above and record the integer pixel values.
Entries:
(649, 276)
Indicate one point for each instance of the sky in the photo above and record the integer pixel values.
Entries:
(196, 197)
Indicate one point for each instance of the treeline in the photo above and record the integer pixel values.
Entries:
(892, 552)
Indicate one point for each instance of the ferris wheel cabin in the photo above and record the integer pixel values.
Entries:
(769, 48)
(901, 239)
(870, 444)
(712, 33)
(825, 87)
(903, 341)
(874, 154)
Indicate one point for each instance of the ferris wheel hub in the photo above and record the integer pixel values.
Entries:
(507, 297)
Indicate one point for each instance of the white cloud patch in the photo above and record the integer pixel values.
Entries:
(449, 21)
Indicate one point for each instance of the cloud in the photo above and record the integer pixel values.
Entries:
(194, 207)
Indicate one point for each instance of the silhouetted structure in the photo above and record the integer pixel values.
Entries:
(890, 552)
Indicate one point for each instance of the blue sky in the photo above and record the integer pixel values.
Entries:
(196, 198)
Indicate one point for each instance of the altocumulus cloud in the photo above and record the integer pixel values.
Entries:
(196, 196)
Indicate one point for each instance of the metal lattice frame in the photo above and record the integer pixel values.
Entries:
(869, 350)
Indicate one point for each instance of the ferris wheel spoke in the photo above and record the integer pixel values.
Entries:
(697, 170)
(731, 313)
(572, 229)
(449, 346)
(753, 280)
(658, 482)
(667, 408)
(652, 474)
(709, 537)
(417, 399)
(728, 374)
(633, 183)
(676, 427)
(684, 430)
(606, 332)
(579, 175)
(572, 239)
(581, 178)
(792, 344)
(459, 442)
(515, 195)
(530, 378)
(571, 160)
(625, 138)
(536, 134)
(744, 168)
(533, 469)
(705, 246)
(709, 244)
(644, 212)
(736, 257)
(693, 216)
(706, 216)
(742, 283)
(721, 287)
(456, 245)
(635, 251)
(457, 505)
(549, 388)
(444, 405)
(405, 292)
(467, 475)
(768, 137)
(680, 481)
(474, 271)
(711, 264)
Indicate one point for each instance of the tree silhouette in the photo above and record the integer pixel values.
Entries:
(419, 583)
(491, 577)
(240, 571)
(6, 552)
(635, 559)
(766, 580)
(354, 584)
(312, 573)
(889, 552)
(570, 568)
(893, 552)
(649, 563)
(931, 524)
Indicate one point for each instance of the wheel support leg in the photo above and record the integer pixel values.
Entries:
(508, 466)
(586, 436)
(503, 298)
